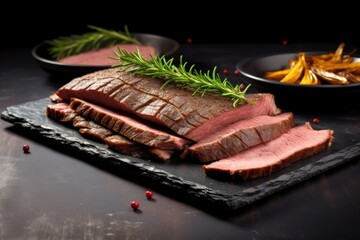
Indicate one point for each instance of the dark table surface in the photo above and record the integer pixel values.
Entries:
(52, 194)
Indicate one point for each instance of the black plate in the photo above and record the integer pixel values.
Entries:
(184, 178)
(163, 46)
(253, 69)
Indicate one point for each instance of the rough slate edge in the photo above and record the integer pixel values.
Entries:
(209, 198)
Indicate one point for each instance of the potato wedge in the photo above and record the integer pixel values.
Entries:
(330, 77)
(296, 71)
(329, 68)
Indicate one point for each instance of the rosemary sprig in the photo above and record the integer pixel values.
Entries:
(66, 46)
(159, 67)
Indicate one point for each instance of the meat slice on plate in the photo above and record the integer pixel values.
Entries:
(106, 56)
(240, 136)
(91, 129)
(125, 146)
(60, 112)
(134, 129)
(173, 107)
(298, 143)
(118, 143)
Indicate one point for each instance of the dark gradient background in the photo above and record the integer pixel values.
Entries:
(27, 24)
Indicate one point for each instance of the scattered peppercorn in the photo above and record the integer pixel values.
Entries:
(26, 148)
(135, 205)
(226, 71)
(149, 194)
(316, 121)
(236, 72)
(285, 42)
(242, 87)
(189, 40)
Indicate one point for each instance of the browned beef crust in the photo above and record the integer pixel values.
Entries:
(240, 136)
(174, 107)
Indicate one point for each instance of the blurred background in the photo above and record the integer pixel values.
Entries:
(27, 24)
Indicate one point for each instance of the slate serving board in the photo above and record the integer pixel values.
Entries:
(185, 177)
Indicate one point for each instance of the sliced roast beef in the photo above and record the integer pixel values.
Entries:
(239, 136)
(119, 143)
(125, 146)
(91, 129)
(298, 143)
(61, 111)
(162, 154)
(134, 129)
(100, 57)
(192, 116)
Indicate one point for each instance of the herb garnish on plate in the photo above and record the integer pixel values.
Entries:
(66, 46)
(160, 67)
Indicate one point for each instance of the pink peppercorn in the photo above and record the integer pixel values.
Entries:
(135, 205)
(149, 194)
(26, 148)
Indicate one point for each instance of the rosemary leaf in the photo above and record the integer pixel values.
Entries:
(66, 46)
(160, 67)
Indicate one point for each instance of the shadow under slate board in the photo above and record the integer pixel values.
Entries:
(184, 176)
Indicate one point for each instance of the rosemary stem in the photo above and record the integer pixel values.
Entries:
(66, 46)
(202, 83)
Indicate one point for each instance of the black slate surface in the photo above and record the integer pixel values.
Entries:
(184, 177)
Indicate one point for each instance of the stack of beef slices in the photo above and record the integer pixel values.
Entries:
(134, 116)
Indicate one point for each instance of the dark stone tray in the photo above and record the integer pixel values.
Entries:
(185, 178)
